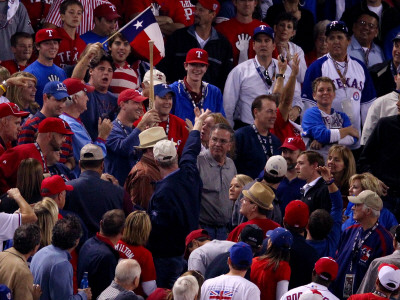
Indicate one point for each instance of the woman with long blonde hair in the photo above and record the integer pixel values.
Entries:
(24, 97)
(47, 214)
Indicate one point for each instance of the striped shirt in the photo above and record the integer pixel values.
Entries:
(29, 131)
(87, 21)
(125, 77)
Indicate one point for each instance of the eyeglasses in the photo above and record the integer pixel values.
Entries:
(221, 141)
(244, 199)
(370, 25)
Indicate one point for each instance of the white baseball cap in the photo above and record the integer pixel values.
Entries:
(164, 151)
(276, 166)
(389, 276)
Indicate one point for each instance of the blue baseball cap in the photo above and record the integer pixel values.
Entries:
(57, 89)
(336, 26)
(241, 255)
(162, 89)
(281, 238)
(263, 29)
(5, 292)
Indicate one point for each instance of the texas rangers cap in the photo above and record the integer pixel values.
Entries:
(56, 89)
(158, 77)
(91, 152)
(281, 238)
(54, 125)
(208, 4)
(107, 11)
(197, 56)
(47, 34)
(75, 86)
(161, 90)
(294, 143)
(263, 29)
(296, 214)
(336, 26)
(389, 276)
(5, 292)
(54, 185)
(11, 109)
(130, 94)
(397, 37)
(369, 198)
(241, 255)
(327, 268)
(276, 166)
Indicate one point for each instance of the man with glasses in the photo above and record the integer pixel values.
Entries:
(216, 171)
(362, 46)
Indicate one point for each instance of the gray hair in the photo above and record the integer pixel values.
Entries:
(185, 288)
(375, 213)
(127, 270)
(320, 28)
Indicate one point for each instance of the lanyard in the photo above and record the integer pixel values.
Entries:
(268, 81)
(366, 54)
(359, 242)
(42, 156)
(17, 65)
(342, 76)
(393, 68)
(264, 143)
(167, 126)
(203, 93)
(122, 126)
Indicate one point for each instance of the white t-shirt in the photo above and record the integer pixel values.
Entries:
(201, 257)
(8, 224)
(225, 286)
(294, 294)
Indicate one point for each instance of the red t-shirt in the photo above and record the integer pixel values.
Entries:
(181, 11)
(232, 29)
(12, 66)
(69, 50)
(37, 10)
(177, 131)
(143, 257)
(283, 129)
(264, 224)
(266, 278)
(367, 296)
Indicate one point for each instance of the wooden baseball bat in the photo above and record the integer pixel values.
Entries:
(151, 95)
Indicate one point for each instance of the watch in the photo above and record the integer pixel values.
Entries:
(280, 75)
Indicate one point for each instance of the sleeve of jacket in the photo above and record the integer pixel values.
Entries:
(121, 145)
(191, 150)
(371, 147)
(61, 282)
(314, 127)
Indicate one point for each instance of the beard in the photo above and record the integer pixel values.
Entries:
(54, 145)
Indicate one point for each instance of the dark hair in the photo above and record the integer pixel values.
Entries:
(116, 36)
(113, 222)
(29, 179)
(239, 268)
(226, 127)
(275, 255)
(258, 101)
(368, 13)
(90, 164)
(64, 5)
(26, 238)
(18, 35)
(286, 17)
(314, 157)
(200, 239)
(66, 232)
(272, 179)
(320, 224)
(318, 279)
(95, 62)
(385, 290)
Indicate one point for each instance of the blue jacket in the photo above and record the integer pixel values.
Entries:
(183, 106)
(328, 246)
(121, 154)
(52, 270)
(174, 208)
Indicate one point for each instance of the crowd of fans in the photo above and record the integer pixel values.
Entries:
(258, 160)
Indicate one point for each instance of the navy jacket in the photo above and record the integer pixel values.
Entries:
(175, 205)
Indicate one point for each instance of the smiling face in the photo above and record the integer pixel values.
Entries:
(163, 105)
(101, 75)
(133, 110)
(195, 71)
(48, 49)
(266, 116)
(23, 49)
(28, 93)
(337, 45)
(365, 30)
(120, 49)
(396, 53)
(72, 17)
(203, 16)
(324, 94)
(335, 163)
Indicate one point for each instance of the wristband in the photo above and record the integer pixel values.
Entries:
(280, 75)
(3, 88)
(329, 182)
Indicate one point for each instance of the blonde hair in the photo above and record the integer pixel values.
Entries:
(137, 228)
(4, 73)
(14, 93)
(368, 182)
(47, 214)
(243, 179)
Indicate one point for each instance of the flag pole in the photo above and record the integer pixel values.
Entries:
(151, 95)
(127, 24)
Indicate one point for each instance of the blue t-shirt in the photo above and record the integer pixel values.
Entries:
(44, 74)
(90, 38)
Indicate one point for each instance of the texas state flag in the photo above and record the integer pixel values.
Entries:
(142, 29)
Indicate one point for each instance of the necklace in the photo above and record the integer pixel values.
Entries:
(380, 294)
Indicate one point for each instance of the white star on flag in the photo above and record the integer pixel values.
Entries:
(138, 24)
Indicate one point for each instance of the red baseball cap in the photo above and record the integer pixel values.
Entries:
(197, 55)
(296, 214)
(209, 4)
(54, 125)
(11, 109)
(130, 94)
(107, 11)
(75, 85)
(326, 266)
(195, 234)
(47, 34)
(54, 185)
(294, 143)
